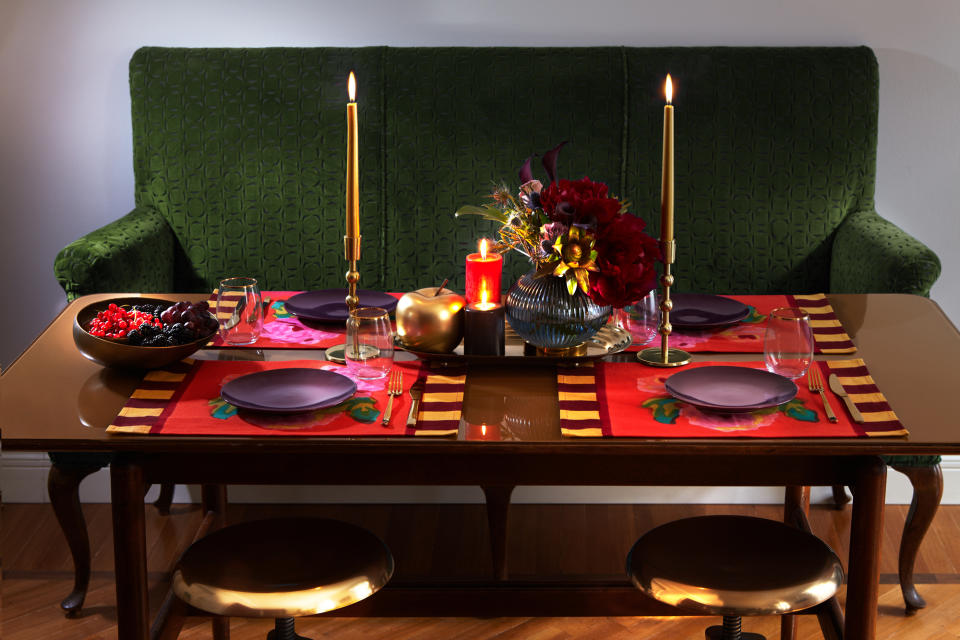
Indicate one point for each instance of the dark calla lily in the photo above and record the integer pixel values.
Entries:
(550, 161)
(526, 173)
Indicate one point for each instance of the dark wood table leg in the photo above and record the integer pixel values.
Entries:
(498, 507)
(927, 490)
(866, 533)
(165, 499)
(63, 488)
(793, 498)
(213, 498)
(840, 496)
(129, 549)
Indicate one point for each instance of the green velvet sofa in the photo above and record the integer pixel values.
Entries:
(239, 166)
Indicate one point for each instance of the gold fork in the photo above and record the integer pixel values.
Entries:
(815, 382)
(394, 388)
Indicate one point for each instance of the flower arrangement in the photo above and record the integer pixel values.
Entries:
(575, 230)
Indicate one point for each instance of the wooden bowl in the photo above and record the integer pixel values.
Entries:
(113, 353)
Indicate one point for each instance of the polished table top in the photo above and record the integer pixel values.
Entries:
(54, 399)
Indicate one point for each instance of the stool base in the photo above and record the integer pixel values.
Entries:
(283, 630)
(731, 631)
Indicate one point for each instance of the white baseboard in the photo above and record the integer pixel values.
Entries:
(23, 478)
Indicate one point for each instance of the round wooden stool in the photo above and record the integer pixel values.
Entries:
(734, 566)
(282, 568)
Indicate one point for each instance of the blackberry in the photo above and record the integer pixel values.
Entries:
(134, 338)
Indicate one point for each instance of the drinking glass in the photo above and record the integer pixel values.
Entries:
(369, 347)
(641, 319)
(239, 310)
(788, 342)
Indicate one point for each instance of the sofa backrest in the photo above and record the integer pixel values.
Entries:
(243, 150)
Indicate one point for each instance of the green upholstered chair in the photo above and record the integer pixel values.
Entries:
(239, 165)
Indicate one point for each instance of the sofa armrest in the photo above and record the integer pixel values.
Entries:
(134, 253)
(873, 255)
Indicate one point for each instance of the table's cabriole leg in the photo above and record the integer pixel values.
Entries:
(63, 488)
(927, 490)
(866, 533)
(129, 549)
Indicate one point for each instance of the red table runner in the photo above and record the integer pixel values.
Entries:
(283, 330)
(629, 399)
(184, 399)
(747, 336)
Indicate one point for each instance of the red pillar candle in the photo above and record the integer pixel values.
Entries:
(483, 273)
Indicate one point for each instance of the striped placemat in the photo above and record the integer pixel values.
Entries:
(442, 403)
(828, 334)
(625, 399)
(878, 417)
(184, 399)
(746, 336)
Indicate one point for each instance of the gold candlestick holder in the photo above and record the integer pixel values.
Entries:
(351, 251)
(664, 356)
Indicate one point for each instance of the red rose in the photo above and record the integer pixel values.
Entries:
(625, 257)
(582, 202)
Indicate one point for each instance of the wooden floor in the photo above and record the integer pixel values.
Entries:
(451, 541)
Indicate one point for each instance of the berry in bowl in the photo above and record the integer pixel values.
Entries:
(142, 333)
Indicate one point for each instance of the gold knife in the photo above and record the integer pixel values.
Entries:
(416, 392)
(838, 389)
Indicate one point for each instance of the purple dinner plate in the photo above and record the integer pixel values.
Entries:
(251, 406)
(703, 311)
(328, 305)
(288, 390)
(723, 388)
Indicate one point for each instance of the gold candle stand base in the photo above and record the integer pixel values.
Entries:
(654, 357)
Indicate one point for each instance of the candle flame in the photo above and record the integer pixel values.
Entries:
(483, 249)
(483, 429)
(669, 89)
(352, 87)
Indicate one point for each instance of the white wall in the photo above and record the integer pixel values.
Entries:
(65, 149)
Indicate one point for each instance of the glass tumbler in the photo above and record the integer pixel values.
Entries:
(788, 342)
(641, 319)
(369, 346)
(239, 311)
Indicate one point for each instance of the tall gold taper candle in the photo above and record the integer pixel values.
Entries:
(353, 165)
(351, 241)
(665, 356)
(666, 191)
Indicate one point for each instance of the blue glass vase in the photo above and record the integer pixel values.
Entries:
(543, 312)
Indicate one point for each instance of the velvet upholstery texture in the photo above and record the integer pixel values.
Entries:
(239, 158)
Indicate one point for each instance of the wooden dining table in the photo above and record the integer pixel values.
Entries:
(55, 400)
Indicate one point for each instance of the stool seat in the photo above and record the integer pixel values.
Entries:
(734, 566)
(282, 568)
